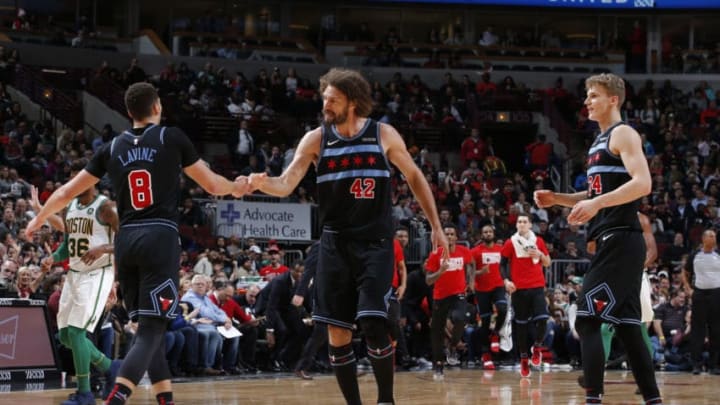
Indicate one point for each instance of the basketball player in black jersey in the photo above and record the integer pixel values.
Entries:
(618, 177)
(352, 155)
(144, 165)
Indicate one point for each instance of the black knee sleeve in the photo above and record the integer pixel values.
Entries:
(377, 336)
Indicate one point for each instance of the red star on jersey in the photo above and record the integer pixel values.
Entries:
(371, 160)
(331, 164)
(345, 162)
(357, 160)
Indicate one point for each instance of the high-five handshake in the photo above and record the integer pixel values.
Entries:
(248, 184)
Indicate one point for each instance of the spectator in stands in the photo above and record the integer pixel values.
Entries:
(275, 268)
(211, 342)
(8, 272)
(275, 162)
(106, 135)
(669, 320)
(473, 148)
(709, 116)
(134, 73)
(190, 214)
(222, 296)
(488, 37)
(9, 225)
(485, 88)
(79, 40)
(650, 117)
(539, 153)
(25, 287)
(698, 101)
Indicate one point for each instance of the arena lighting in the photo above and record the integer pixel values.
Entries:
(502, 116)
(47, 94)
(56, 71)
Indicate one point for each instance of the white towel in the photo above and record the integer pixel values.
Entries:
(523, 243)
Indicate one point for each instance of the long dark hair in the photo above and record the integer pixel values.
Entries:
(353, 85)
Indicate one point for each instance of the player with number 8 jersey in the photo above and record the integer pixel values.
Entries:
(144, 165)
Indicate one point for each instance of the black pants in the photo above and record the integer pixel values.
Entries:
(453, 307)
(705, 321)
(291, 334)
(248, 342)
(317, 339)
(396, 331)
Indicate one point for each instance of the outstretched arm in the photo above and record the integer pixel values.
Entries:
(60, 198)
(214, 183)
(547, 198)
(308, 151)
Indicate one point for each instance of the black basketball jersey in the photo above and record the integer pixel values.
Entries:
(144, 166)
(606, 172)
(353, 177)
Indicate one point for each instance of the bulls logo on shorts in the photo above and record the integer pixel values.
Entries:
(599, 301)
(164, 299)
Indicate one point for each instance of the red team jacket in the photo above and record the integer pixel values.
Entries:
(523, 272)
(484, 255)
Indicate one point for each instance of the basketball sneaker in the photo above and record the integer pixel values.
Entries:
(452, 357)
(487, 362)
(536, 359)
(80, 398)
(494, 343)
(438, 374)
(524, 367)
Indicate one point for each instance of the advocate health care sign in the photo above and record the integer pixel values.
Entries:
(263, 220)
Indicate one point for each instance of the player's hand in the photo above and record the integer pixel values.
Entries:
(257, 181)
(583, 212)
(400, 292)
(33, 226)
(93, 254)
(298, 300)
(544, 198)
(242, 186)
(34, 200)
(46, 264)
(439, 240)
(510, 287)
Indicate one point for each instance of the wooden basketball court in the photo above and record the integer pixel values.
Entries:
(459, 387)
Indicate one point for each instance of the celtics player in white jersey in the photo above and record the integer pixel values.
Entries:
(90, 222)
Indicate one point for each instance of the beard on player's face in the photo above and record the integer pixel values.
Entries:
(332, 118)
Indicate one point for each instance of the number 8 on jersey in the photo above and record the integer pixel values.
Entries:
(140, 183)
